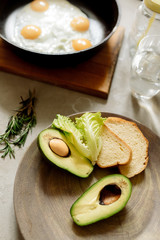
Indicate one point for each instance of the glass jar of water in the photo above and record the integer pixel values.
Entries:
(145, 68)
(147, 22)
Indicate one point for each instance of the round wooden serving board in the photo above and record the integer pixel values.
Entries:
(43, 195)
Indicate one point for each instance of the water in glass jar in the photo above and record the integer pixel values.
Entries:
(145, 73)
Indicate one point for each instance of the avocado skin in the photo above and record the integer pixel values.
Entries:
(102, 211)
(74, 163)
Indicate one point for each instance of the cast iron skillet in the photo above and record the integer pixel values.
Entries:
(105, 12)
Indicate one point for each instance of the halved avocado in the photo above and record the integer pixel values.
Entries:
(73, 162)
(103, 199)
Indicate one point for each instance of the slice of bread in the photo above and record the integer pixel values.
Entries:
(130, 133)
(114, 150)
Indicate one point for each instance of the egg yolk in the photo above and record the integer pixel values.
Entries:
(80, 24)
(30, 32)
(39, 5)
(81, 44)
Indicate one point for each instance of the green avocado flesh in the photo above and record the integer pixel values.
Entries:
(103, 199)
(74, 162)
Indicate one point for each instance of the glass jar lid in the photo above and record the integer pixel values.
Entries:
(153, 5)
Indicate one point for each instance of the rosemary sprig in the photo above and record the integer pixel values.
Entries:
(19, 126)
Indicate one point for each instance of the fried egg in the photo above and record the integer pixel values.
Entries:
(39, 5)
(52, 26)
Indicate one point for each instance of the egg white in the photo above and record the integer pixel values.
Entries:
(56, 32)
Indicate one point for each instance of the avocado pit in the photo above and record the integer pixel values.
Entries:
(109, 194)
(59, 147)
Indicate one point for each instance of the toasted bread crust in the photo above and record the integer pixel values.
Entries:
(129, 132)
(114, 150)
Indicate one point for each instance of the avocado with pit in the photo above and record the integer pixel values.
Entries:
(103, 199)
(54, 146)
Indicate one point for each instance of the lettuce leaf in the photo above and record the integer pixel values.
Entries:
(72, 134)
(90, 126)
(84, 133)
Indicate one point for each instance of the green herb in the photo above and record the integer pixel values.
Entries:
(83, 133)
(19, 126)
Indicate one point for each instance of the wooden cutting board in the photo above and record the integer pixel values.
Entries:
(93, 76)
